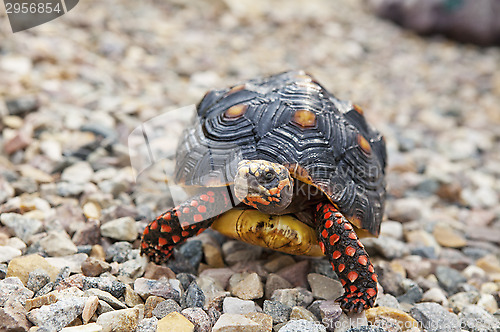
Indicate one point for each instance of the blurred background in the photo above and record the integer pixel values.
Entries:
(77, 86)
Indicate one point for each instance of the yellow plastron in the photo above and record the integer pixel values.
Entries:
(282, 233)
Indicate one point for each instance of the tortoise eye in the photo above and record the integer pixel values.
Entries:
(269, 176)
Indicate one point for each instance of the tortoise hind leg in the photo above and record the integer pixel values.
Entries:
(349, 260)
(183, 221)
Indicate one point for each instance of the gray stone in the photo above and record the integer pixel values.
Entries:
(388, 247)
(58, 243)
(147, 325)
(293, 297)
(275, 282)
(166, 307)
(106, 297)
(413, 294)
(22, 226)
(323, 287)
(37, 279)
(193, 252)
(80, 172)
(449, 278)
(57, 315)
(330, 312)
(387, 300)
(366, 329)
(7, 253)
(121, 229)
(301, 325)
(114, 287)
(118, 252)
(163, 288)
(13, 289)
(435, 318)
(278, 311)
(475, 318)
(73, 262)
(22, 105)
(194, 296)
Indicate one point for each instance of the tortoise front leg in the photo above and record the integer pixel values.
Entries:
(183, 221)
(349, 259)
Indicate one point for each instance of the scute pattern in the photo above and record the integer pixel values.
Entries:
(329, 151)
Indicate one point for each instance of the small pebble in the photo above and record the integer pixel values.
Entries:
(13, 317)
(277, 310)
(249, 288)
(302, 313)
(165, 308)
(303, 325)
(90, 308)
(11, 288)
(147, 325)
(163, 288)
(233, 305)
(194, 296)
(121, 229)
(120, 320)
(435, 317)
(236, 322)
(58, 244)
(106, 297)
(199, 318)
(57, 315)
(324, 288)
(293, 297)
(174, 322)
(475, 318)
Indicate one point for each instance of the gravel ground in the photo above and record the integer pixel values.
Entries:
(74, 89)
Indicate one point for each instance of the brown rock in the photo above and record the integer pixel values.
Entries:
(249, 288)
(278, 263)
(275, 282)
(131, 298)
(98, 252)
(150, 305)
(21, 267)
(448, 237)
(484, 234)
(296, 274)
(89, 233)
(221, 275)
(90, 308)
(213, 255)
(39, 301)
(93, 267)
(21, 140)
(76, 280)
(405, 320)
(13, 317)
(154, 271)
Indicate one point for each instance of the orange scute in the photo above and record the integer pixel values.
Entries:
(350, 251)
(352, 276)
(304, 118)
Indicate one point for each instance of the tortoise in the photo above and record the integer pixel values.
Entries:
(282, 146)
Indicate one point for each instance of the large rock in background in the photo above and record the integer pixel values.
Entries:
(468, 21)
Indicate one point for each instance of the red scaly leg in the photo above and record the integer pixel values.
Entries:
(348, 257)
(185, 220)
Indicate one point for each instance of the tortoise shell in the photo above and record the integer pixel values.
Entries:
(292, 120)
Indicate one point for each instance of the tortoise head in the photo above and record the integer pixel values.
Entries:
(264, 185)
